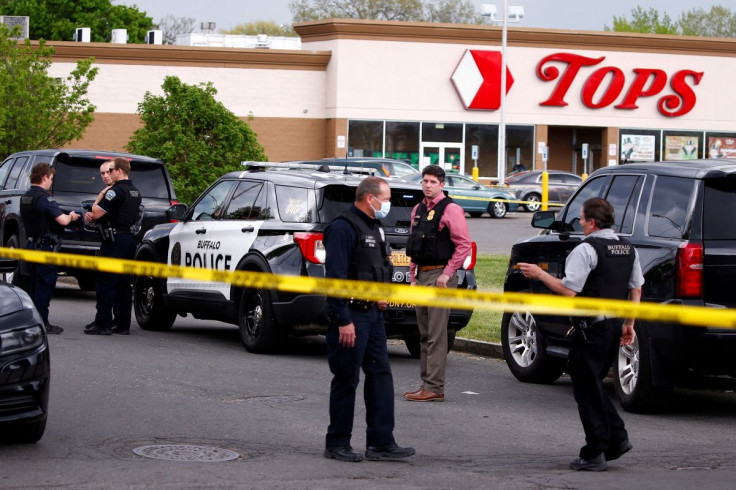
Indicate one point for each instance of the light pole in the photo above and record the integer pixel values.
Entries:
(516, 13)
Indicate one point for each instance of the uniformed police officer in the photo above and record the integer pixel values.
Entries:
(44, 222)
(356, 248)
(115, 214)
(603, 265)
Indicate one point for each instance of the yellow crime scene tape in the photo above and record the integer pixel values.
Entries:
(469, 198)
(420, 295)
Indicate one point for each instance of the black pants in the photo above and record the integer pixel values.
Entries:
(43, 281)
(588, 365)
(371, 354)
(114, 291)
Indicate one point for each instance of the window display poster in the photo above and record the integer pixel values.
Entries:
(637, 148)
(719, 147)
(680, 148)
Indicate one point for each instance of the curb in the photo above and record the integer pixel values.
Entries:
(478, 347)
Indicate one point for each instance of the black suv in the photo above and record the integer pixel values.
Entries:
(77, 179)
(681, 216)
(271, 220)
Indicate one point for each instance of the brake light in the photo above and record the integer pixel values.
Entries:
(469, 262)
(311, 246)
(689, 278)
(171, 203)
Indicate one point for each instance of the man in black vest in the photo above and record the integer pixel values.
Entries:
(438, 245)
(356, 248)
(44, 221)
(603, 265)
(115, 214)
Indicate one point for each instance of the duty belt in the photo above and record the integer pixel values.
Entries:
(360, 305)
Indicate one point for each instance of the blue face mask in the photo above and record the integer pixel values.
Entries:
(383, 212)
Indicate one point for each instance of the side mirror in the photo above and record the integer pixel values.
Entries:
(177, 212)
(544, 220)
(8, 265)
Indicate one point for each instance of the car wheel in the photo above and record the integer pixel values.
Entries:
(23, 432)
(633, 378)
(534, 202)
(148, 304)
(258, 328)
(475, 214)
(415, 349)
(523, 350)
(17, 278)
(497, 209)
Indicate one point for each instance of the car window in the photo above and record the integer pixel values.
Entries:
(558, 178)
(338, 198)
(82, 175)
(211, 204)
(4, 171)
(571, 179)
(623, 196)
(248, 202)
(592, 188)
(12, 182)
(719, 209)
(399, 170)
(669, 208)
(460, 183)
(295, 204)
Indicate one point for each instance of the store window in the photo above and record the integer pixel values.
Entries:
(485, 136)
(639, 145)
(402, 141)
(519, 148)
(720, 145)
(442, 132)
(366, 138)
(682, 145)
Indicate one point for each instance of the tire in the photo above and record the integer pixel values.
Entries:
(23, 432)
(523, 350)
(535, 202)
(475, 214)
(17, 278)
(632, 376)
(148, 303)
(415, 348)
(258, 328)
(497, 209)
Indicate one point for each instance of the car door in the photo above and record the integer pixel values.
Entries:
(220, 229)
(464, 193)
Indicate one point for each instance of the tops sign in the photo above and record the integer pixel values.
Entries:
(478, 80)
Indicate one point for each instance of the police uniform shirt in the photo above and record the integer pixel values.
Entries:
(112, 199)
(584, 259)
(47, 207)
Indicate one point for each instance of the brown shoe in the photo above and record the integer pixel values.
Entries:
(413, 392)
(425, 396)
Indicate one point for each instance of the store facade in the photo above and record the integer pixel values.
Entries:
(430, 93)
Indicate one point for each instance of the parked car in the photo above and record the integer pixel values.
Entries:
(380, 167)
(527, 186)
(77, 180)
(681, 217)
(473, 197)
(24, 364)
(271, 219)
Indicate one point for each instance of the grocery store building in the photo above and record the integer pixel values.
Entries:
(430, 93)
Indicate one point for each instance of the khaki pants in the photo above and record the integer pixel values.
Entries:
(433, 335)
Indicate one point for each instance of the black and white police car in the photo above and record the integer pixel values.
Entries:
(271, 218)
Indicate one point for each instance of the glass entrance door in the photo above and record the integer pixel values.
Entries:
(449, 155)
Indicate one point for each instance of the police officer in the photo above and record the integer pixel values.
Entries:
(44, 222)
(356, 248)
(603, 265)
(115, 214)
(438, 245)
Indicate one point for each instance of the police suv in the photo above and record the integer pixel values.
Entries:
(270, 218)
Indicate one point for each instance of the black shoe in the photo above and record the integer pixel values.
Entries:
(387, 453)
(120, 331)
(596, 464)
(618, 450)
(97, 331)
(90, 326)
(343, 453)
(55, 329)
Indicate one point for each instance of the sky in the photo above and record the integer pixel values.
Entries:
(555, 14)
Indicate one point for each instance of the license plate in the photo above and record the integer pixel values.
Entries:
(400, 259)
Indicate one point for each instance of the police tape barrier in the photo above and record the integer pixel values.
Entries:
(489, 199)
(421, 295)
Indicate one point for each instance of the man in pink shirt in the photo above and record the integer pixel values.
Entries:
(438, 244)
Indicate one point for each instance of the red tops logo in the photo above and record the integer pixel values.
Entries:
(647, 82)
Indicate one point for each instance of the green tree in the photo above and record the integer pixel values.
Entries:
(172, 26)
(717, 22)
(55, 20)
(645, 21)
(197, 137)
(406, 10)
(40, 111)
(452, 12)
(260, 27)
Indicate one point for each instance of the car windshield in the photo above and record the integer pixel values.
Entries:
(338, 198)
(400, 170)
(83, 176)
